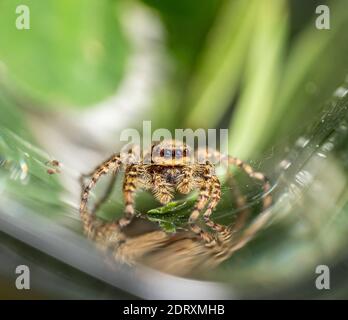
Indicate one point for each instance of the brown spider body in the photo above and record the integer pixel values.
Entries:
(170, 167)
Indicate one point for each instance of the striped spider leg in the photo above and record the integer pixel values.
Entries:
(215, 194)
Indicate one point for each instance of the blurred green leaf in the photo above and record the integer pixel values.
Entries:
(12, 118)
(254, 110)
(172, 215)
(282, 95)
(316, 66)
(215, 81)
(187, 23)
(73, 54)
(171, 207)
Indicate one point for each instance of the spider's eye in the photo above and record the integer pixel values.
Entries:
(161, 153)
(178, 153)
(186, 153)
(167, 153)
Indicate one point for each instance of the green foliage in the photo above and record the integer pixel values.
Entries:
(216, 77)
(11, 117)
(173, 215)
(187, 23)
(74, 53)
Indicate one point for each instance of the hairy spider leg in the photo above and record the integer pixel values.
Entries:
(215, 191)
(234, 243)
(202, 200)
(229, 235)
(267, 199)
(129, 188)
(88, 219)
(107, 193)
(184, 184)
(162, 190)
(225, 233)
(240, 199)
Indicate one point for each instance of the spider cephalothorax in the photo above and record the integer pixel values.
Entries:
(170, 167)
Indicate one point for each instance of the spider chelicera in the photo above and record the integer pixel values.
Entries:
(170, 166)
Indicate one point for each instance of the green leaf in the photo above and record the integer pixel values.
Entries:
(187, 23)
(73, 54)
(316, 66)
(216, 77)
(12, 117)
(254, 110)
(171, 207)
(172, 215)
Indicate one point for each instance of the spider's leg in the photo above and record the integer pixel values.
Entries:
(267, 200)
(106, 194)
(201, 202)
(85, 176)
(112, 164)
(248, 234)
(215, 156)
(226, 234)
(162, 190)
(231, 239)
(129, 188)
(240, 200)
(184, 183)
(215, 191)
(230, 233)
(235, 243)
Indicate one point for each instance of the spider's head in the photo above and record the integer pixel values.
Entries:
(171, 153)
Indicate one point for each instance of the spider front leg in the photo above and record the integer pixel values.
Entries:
(216, 156)
(162, 190)
(112, 164)
(222, 232)
(184, 184)
(129, 188)
(106, 194)
(267, 200)
(215, 192)
(201, 202)
(240, 200)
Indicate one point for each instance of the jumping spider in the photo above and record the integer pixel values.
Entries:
(170, 166)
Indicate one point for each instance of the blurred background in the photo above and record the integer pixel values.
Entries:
(86, 70)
